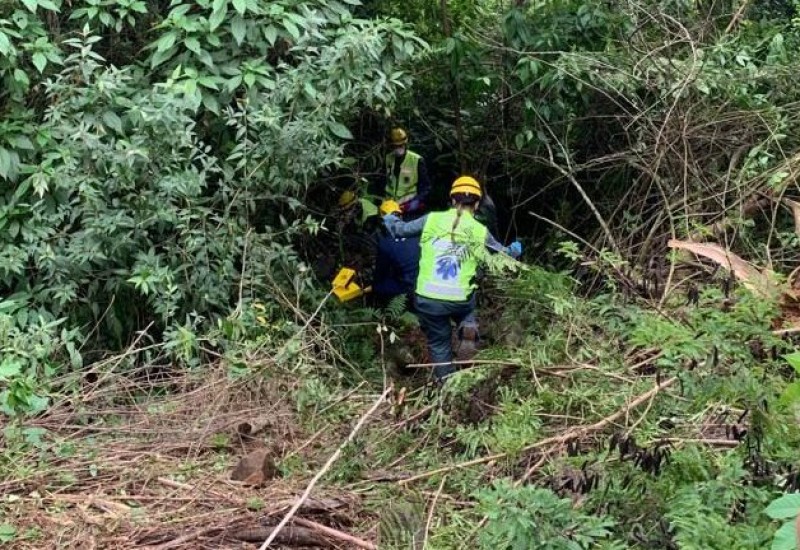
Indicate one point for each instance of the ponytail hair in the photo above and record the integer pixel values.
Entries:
(462, 200)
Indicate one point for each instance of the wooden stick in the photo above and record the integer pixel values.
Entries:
(324, 529)
(430, 512)
(333, 458)
(555, 440)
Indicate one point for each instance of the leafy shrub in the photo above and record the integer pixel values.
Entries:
(35, 347)
(529, 517)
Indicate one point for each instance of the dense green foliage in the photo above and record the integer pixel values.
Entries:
(149, 176)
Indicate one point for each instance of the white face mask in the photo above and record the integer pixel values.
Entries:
(398, 152)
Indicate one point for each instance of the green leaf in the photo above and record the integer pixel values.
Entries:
(31, 5)
(166, 42)
(271, 34)
(159, 57)
(791, 394)
(5, 163)
(111, 120)
(784, 507)
(240, 6)
(249, 79)
(233, 83)
(10, 368)
(292, 28)
(794, 360)
(192, 44)
(352, 2)
(310, 91)
(7, 532)
(21, 78)
(48, 5)
(208, 82)
(210, 102)
(5, 44)
(238, 30)
(217, 17)
(785, 538)
(22, 142)
(339, 130)
(39, 61)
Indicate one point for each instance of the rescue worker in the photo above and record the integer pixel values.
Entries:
(452, 245)
(396, 262)
(354, 210)
(406, 176)
(357, 221)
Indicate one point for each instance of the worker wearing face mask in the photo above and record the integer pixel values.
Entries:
(406, 177)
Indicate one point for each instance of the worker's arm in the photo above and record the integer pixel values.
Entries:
(400, 229)
(514, 249)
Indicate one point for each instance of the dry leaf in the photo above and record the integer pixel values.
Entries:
(750, 276)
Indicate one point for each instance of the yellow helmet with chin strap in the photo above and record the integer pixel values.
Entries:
(398, 136)
(389, 207)
(466, 185)
(347, 199)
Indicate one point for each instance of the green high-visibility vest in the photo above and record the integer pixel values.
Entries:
(404, 186)
(449, 258)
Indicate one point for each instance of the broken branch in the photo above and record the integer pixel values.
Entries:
(574, 433)
(333, 458)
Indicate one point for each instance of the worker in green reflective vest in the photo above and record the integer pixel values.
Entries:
(452, 245)
(406, 176)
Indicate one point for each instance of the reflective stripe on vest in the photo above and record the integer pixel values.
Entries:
(404, 187)
(449, 259)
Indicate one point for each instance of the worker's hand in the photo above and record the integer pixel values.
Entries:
(514, 249)
(389, 220)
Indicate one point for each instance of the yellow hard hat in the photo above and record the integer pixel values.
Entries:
(467, 185)
(389, 207)
(398, 136)
(347, 199)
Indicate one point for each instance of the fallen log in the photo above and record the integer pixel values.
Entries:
(289, 536)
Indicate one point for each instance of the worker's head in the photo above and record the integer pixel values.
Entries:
(398, 139)
(389, 207)
(466, 192)
(347, 199)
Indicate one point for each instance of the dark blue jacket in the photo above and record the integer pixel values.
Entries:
(396, 265)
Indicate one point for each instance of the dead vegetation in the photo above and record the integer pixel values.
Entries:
(126, 465)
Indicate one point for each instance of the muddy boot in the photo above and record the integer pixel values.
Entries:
(468, 338)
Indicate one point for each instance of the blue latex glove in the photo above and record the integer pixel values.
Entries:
(514, 249)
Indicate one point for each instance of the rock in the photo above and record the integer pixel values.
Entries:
(255, 468)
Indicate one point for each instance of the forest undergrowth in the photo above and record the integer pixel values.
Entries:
(586, 422)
